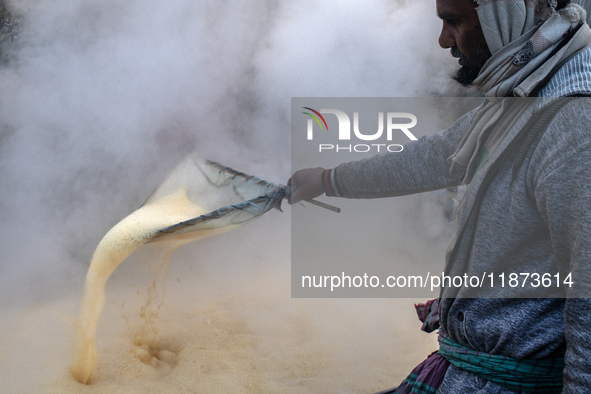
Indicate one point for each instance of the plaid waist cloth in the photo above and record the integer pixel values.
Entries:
(530, 376)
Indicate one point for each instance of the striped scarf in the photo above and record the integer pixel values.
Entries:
(542, 376)
(527, 43)
(522, 43)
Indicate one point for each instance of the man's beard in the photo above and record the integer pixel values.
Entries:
(468, 73)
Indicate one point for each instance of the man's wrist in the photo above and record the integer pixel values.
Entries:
(329, 183)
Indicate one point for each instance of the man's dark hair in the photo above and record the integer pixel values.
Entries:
(562, 4)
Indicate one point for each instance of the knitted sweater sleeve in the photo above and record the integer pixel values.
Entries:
(562, 191)
(422, 166)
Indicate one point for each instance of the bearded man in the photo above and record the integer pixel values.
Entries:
(527, 164)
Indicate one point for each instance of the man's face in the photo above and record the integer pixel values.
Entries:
(461, 33)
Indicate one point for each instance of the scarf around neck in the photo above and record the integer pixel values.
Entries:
(527, 39)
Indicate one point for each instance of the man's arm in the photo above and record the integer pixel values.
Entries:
(566, 200)
(422, 166)
(562, 189)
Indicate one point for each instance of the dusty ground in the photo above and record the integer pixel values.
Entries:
(252, 339)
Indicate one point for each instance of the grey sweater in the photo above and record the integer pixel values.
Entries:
(539, 223)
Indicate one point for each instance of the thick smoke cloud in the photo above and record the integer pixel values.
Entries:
(100, 99)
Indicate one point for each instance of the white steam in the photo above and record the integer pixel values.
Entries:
(104, 97)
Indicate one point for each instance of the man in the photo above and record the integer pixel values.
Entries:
(528, 204)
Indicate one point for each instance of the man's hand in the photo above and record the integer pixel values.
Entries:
(305, 184)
